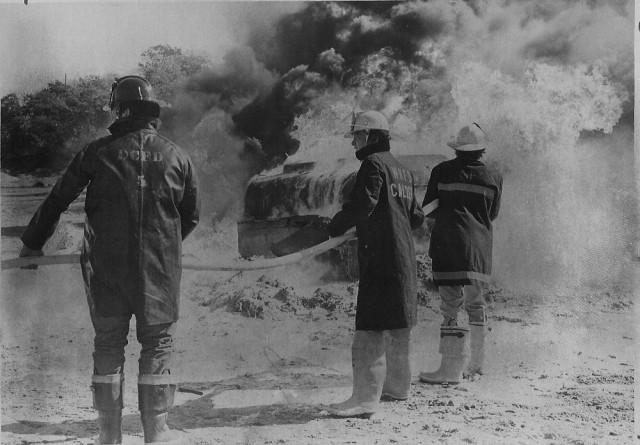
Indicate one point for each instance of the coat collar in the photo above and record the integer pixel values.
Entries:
(371, 149)
(129, 124)
(468, 161)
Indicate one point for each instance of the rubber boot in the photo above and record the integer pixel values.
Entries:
(397, 382)
(107, 399)
(369, 369)
(476, 343)
(454, 350)
(155, 398)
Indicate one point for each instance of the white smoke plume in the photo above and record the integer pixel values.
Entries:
(555, 99)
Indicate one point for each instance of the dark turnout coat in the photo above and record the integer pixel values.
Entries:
(141, 202)
(461, 243)
(383, 207)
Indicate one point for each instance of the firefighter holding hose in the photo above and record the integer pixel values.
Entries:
(141, 203)
(461, 247)
(383, 207)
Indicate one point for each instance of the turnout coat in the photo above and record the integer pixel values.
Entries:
(383, 207)
(141, 202)
(461, 245)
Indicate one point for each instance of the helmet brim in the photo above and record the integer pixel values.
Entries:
(390, 133)
(465, 147)
(161, 103)
(348, 135)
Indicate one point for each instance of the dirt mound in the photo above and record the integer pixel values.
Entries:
(271, 298)
(267, 295)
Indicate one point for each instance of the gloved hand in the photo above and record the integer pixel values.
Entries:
(324, 223)
(27, 252)
(320, 223)
(333, 232)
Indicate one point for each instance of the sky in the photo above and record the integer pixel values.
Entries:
(44, 40)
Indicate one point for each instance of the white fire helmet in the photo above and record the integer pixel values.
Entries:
(368, 120)
(469, 138)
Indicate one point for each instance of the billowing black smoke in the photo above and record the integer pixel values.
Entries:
(323, 46)
(329, 45)
(270, 117)
(399, 57)
(353, 29)
(239, 117)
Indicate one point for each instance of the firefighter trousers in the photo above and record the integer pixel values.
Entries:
(453, 297)
(111, 339)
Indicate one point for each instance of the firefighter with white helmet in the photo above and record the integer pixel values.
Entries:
(384, 209)
(461, 245)
(141, 203)
(365, 121)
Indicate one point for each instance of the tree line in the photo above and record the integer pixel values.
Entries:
(43, 130)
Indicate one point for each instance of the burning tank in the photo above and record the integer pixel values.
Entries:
(303, 194)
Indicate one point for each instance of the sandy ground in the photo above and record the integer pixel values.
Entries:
(266, 348)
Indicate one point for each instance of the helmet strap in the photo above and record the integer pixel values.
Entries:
(114, 84)
(368, 133)
(353, 121)
(122, 113)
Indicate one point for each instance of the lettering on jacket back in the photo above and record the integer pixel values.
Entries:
(401, 184)
(137, 155)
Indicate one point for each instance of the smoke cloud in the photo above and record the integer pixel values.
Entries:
(551, 82)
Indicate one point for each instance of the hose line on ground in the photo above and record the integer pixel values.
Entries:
(267, 263)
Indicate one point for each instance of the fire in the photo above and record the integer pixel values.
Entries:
(532, 73)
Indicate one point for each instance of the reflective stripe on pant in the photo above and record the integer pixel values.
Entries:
(452, 298)
(111, 339)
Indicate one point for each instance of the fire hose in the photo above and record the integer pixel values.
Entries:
(268, 263)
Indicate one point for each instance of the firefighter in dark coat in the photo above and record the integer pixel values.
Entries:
(461, 248)
(384, 209)
(141, 203)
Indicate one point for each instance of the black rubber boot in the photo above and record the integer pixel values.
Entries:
(107, 399)
(154, 401)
